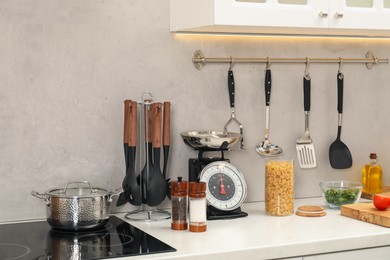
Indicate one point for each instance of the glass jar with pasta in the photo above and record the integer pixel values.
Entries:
(279, 186)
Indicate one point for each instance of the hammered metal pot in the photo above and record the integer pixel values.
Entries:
(77, 206)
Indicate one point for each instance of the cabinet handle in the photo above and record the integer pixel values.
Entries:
(338, 15)
(323, 14)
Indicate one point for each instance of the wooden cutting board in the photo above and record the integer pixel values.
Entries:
(366, 212)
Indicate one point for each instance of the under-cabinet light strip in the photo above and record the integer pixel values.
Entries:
(200, 60)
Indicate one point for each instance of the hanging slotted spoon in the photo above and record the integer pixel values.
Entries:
(305, 147)
(267, 149)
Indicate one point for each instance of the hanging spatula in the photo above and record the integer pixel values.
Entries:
(305, 147)
(339, 155)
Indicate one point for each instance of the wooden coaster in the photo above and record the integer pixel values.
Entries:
(311, 211)
(311, 208)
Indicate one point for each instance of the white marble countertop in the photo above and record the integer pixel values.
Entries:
(260, 236)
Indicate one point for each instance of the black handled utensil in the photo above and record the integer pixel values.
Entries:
(135, 198)
(131, 192)
(166, 143)
(125, 195)
(166, 135)
(231, 88)
(304, 145)
(157, 187)
(266, 148)
(339, 155)
(149, 151)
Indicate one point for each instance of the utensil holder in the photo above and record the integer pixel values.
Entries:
(144, 164)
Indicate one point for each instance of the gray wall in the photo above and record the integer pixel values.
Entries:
(67, 66)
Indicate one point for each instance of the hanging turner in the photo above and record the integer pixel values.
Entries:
(339, 155)
(231, 89)
(305, 148)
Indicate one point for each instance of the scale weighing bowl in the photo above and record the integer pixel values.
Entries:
(213, 140)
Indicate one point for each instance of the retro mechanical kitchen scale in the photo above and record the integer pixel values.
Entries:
(226, 185)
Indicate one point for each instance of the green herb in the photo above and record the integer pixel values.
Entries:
(341, 197)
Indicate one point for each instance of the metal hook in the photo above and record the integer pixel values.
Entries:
(146, 100)
(268, 63)
(231, 63)
(340, 73)
(307, 74)
(340, 64)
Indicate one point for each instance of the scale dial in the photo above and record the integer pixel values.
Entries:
(226, 186)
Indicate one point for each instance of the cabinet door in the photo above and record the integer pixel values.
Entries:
(272, 13)
(378, 253)
(359, 14)
(295, 17)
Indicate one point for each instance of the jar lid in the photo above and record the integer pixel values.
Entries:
(311, 211)
(179, 187)
(198, 189)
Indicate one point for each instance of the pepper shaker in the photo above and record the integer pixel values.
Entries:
(179, 198)
(197, 207)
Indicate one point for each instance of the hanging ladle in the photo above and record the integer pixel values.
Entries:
(266, 148)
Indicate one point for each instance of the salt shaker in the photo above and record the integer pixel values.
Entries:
(179, 198)
(197, 207)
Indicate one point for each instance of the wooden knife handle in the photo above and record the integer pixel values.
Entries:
(156, 108)
(150, 123)
(133, 124)
(167, 123)
(126, 122)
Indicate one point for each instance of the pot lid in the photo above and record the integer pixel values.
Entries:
(77, 189)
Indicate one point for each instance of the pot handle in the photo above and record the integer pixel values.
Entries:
(79, 182)
(114, 193)
(41, 196)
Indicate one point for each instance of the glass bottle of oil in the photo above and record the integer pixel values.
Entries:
(372, 176)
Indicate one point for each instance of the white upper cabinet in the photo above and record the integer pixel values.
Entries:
(296, 17)
(360, 14)
(263, 13)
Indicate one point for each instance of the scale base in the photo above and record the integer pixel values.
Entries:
(195, 166)
(214, 214)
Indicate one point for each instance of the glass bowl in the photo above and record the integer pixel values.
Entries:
(337, 193)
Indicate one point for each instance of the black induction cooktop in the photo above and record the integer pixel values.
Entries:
(38, 241)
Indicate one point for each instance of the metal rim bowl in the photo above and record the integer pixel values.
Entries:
(210, 139)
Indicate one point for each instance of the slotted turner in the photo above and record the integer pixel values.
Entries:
(305, 147)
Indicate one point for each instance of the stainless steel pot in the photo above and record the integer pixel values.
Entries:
(77, 206)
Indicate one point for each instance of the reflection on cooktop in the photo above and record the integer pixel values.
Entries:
(36, 240)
